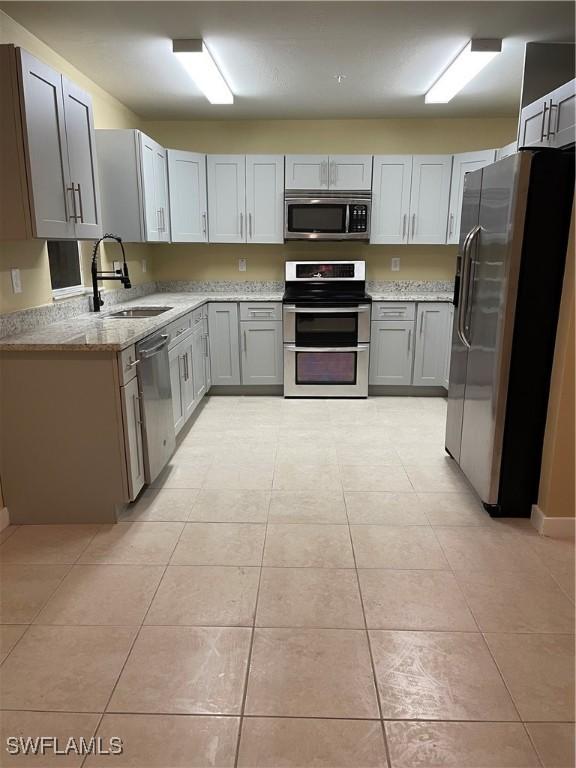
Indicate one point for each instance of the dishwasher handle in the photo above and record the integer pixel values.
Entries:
(145, 353)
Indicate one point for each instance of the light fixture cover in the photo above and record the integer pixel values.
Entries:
(197, 61)
(464, 68)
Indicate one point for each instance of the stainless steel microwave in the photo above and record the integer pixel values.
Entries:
(327, 215)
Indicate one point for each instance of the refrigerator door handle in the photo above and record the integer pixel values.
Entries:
(465, 285)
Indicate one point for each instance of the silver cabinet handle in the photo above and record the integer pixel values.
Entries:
(245, 343)
(152, 351)
(542, 134)
(413, 224)
(267, 312)
(450, 224)
(80, 203)
(132, 363)
(404, 218)
(550, 108)
(205, 337)
(326, 310)
(294, 348)
(409, 341)
(74, 215)
(421, 323)
(250, 224)
(204, 227)
(241, 224)
(158, 222)
(325, 180)
(387, 312)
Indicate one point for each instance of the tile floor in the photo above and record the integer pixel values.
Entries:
(309, 583)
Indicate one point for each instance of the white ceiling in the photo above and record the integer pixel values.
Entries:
(280, 58)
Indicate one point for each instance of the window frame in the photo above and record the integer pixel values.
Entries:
(71, 290)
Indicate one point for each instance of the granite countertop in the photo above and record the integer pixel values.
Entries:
(92, 332)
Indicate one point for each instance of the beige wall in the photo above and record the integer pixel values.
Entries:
(557, 496)
(31, 256)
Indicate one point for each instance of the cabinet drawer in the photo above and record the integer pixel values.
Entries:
(127, 364)
(197, 316)
(179, 329)
(393, 310)
(261, 310)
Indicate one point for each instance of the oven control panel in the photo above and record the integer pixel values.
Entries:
(358, 218)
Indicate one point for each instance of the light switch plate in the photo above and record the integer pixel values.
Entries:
(144, 266)
(241, 265)
(395, 264)
(16, 282)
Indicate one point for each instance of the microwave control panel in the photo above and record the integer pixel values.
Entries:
(358, 218)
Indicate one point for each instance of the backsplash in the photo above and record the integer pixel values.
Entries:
(409, 286)
(221, 286)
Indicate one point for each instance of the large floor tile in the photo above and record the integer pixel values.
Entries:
(71, 669)
(311, 673)
(47, 544)
(350, 454)
(438, 676)
(133, 544)
(162, 505)
(5, 533)
(307, 507)
(206, 595)
(169, 741)
(300, 743)
(181, 476)
(436, 477)
(414, 600)
(24, 589)
(220, 544)
(308, 546)
(421, 452)
(459, 745)
(9, 636)
(230, 506)
(254, 476)
(103, 594)
(59, 725)
(184, 670)
(307, 477)
(487, 548)
(398, 547)
(374, 477)
(306, 453)
(454, 508)
(385, 509)
(309, 597)
(539, 673)
(504, 601)
(554, 742)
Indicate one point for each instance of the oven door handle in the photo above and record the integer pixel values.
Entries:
(326, 310)
(359, 348)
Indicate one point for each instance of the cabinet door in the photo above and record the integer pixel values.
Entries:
(198, 363)
(429, 198)
(188, 389)
(187, 193)
(161, 192)
(350, 172)
(265, 198)
(262, 353)
(82, 160)
(133, 437)
(306, 172)
(224, 343)
(227, 198)
(391, 352)
(463, 164)
(391, 184)
(46, 152)
(151, 206)
(176, 383)
(562, 126)
(506, 151)
(533, 120)
(431, 344)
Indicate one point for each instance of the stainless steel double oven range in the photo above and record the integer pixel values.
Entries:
(326, 329)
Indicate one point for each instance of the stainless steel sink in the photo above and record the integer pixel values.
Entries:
(139, 312)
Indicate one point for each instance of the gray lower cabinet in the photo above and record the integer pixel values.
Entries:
(224, 343)
(132, 437)
(262, 352)
(431, 347)
(391, 352)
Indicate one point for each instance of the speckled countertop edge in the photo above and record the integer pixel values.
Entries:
(90, 332)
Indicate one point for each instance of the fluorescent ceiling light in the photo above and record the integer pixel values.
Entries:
(197, 61)
(464, 68)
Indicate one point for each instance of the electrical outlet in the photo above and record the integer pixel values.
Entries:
(395, 264)
(241, 265)
(144, 266)
(16, 282)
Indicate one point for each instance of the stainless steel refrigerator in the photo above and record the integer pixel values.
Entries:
(514, 234)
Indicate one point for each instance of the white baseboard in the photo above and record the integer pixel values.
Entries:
(554, 527)
(4, 518)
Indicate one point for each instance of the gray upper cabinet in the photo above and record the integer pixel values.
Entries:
(391, 184)
(265, 198)
(551, 120)
(306, 172)
(463, 164)
(338, 172)
(227, 198)
(391, 352)
(133, 176)
(262, 352)
(432, 343)
(224, 343)
(188, 197)
(429, 198)
(52, 170)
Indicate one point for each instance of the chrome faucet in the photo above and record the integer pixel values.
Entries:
(111, 274)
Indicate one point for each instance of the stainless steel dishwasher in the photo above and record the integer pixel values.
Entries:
(156, 403)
